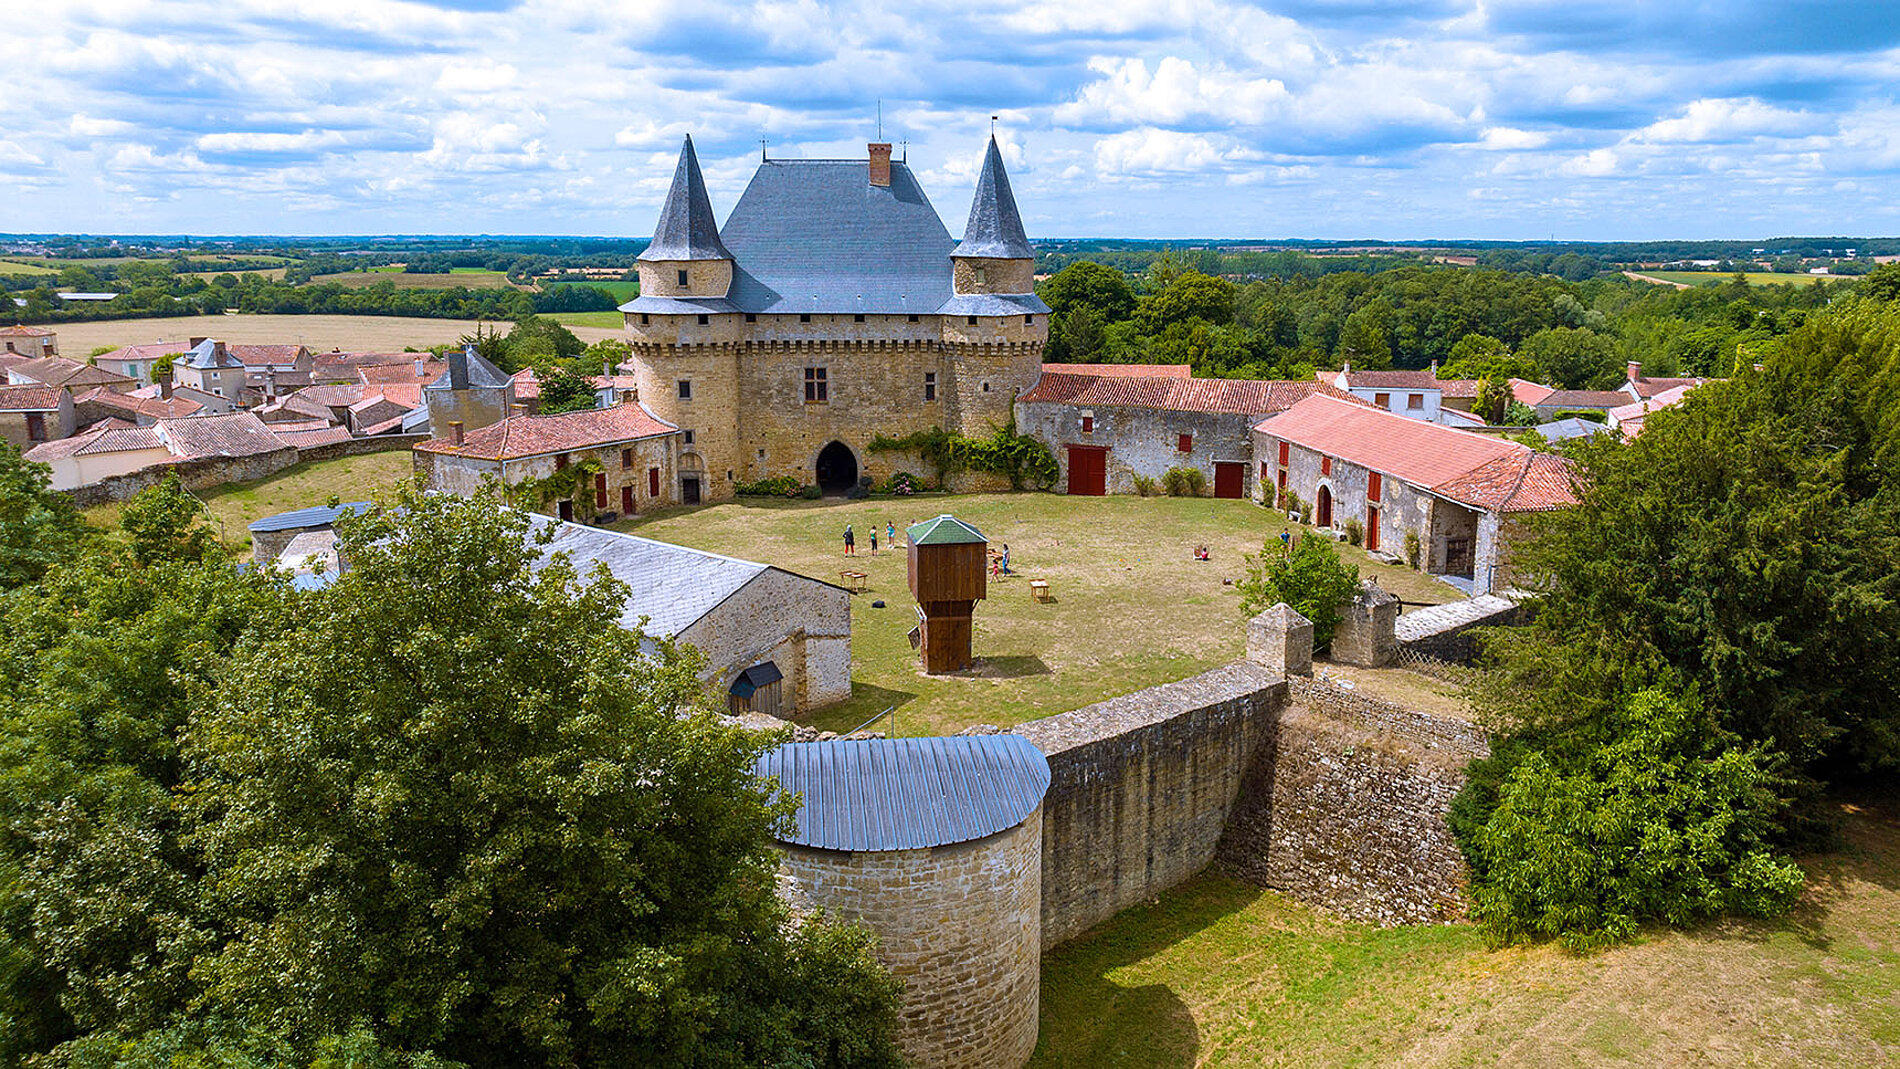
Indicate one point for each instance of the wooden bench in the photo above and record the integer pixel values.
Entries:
(854, 581)
(1039, 589)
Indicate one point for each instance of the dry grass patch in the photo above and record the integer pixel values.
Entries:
(320, 332)
(478, 280)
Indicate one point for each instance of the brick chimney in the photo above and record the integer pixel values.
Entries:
(1635, 370)
(880, 163)
(455, 431)
(165, 389)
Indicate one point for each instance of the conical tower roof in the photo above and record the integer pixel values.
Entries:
(687, 230)
(995, 229)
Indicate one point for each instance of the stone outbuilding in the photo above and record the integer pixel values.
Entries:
(1453, 495)
(936, 845)
(634, 454)
(30, 415)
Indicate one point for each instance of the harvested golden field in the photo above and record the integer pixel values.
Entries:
(475, 280)
(320, 332)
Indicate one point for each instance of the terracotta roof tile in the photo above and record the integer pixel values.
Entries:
(1527, 392)
(28, 398)
(59, 371)
(1247, 397)
(94, 441)
(261, 355)
(1459, 387)
(1647, 387)
(150, 408)
(527, 436)
(1604, 399)
(232, 434)
(17, 331)
(304, 439)
(110, 423)
(1394, 380)
(404, 373)
(1148, 371)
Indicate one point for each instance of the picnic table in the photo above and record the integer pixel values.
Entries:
(854, 581)
(1039, 589)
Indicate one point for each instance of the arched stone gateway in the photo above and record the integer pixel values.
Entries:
(1323, 508)
(837, 468)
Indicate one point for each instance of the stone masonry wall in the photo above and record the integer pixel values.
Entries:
(199, 474)
(1141, 788)
(1143, 441)
(801, 624)
(959, 925)
(1445, 631)
(1349, 812)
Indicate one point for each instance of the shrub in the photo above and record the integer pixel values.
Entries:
(776, 486)
(901, 483)
(1355, 531)
(1309, 577)
(1306, 511)
(1145, 485)
(1184, 482)
(811, 493)
(1591, 414)
(1667, 818)
(1413, 549)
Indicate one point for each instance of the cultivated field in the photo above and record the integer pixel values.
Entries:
(609, 321)
(320, 332)
(473, 278)
(1219, 973)
(1132, 607)
(1755, 278)
(22, 267)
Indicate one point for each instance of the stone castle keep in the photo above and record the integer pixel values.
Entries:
(832, 307)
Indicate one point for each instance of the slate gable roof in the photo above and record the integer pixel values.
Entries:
(1471, 469)
(815, 236)
(315, 516)
(995, 228)
(687, 229)
(1247, 397)
(482, 375)
(209, 354)
(532, 436)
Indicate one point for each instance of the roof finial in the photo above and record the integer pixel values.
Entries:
(762, 143)
(992, 126)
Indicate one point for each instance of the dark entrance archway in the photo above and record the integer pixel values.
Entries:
(1325, 506)
(837, 468)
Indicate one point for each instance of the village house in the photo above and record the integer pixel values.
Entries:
(113, 449)
(71, 374)
(137, 361)
(1642, 388)
(1558, 402)
(1107, 424)
(831, 308)
(33, 414)
(34, 342)
(209, 366)
(470, 391)
(1456, 497)
(208, 403)
(1413, 394)
(1630, 418)
(100, 403)
(635, 455)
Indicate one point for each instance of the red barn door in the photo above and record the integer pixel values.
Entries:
(1088, 470)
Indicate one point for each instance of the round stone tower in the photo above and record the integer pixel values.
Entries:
(936, 845)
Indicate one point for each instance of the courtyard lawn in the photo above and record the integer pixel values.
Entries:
(1131, 606)
(233, 507)
(1219, 973)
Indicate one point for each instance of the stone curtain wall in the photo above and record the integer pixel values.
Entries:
(1144, 441)
(1141, 788)
(204, 473)
(960, 925)
(1348, 811)
(1444, 631)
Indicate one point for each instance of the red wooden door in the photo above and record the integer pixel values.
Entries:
(1088, 470)
(600, 491)
(653, 482)
(1325, 507)
(626, 501)
(1230, 477)
(1372, 528)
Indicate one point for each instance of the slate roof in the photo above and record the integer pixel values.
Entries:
(995, 228)
(315, 516)
(210, 354)
(96, 441)
(673, 586)
(59, 371)
(231, 434)
(481, 373)
(907, 794)
(817, 236)
(680, 306)
(686, 229)
(1146, 371)
(29, 398)
(1248, 397)
(945, 530)
(1604, 399)
(1565, 429)
(531, 436)
(1472, 469)
(993, 304)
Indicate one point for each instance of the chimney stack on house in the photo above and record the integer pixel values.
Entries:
(195, 342)
(880, 163)
(458, 368)
(455, 431)
(517, 409)
(1635, 370)
(165, 388)
(422, 367)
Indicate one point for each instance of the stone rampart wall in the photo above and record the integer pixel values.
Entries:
(1444, 631)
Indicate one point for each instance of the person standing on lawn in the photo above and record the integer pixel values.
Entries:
(874, 540)
(850, 541)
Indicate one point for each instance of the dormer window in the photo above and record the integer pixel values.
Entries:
(682, 279)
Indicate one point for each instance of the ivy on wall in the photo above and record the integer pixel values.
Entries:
(1020, 458)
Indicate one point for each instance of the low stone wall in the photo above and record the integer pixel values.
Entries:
(1141, 788)
(382, 443)
(1444, 631)
(202, 473)
(1348, 811)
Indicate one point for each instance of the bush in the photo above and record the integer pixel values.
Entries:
(1145, 485)
(1309, 577)
(900, 483)
(1591, 414)
(1666, 818)
(1355, 531)
(811, 493)
(776, 486)
(1306, 511)
(1413, 548)
(1184, 482)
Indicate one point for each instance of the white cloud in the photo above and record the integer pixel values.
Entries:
(1715, 120)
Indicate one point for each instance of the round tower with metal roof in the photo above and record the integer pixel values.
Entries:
(935, 844)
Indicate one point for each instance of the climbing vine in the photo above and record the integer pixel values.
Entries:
(574, 483)
(1020, 458)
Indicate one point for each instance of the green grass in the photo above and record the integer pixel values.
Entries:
(608, 320)
(1219, 973)
(624, 290)
(233, 507)
(19, 267)
(1755, 278)
(1131, 608)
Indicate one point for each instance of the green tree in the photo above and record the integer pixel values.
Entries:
(1666, 818)
(453, 799)
(166, 522)
(1191, 295)
(564, 391)
(1102, 290)
(1480, 356)
(1881, 284)
(1573, 358)
(1494, 401)
(1308, 576)
(39, 527)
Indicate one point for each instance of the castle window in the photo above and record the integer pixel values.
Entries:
(626, 459)
(686, 389)
(645, 319)
(682, 278)
(751, 317)
(978, 275)
(986, 387)
(703, 320)
(817, 390)
(913, 319)
(560, 461)
(1186, 444)
(972, 321)
(804, 317)
(859, 318)
(930, 386)
(686, 437)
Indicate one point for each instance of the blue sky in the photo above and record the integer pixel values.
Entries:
(1516, 119)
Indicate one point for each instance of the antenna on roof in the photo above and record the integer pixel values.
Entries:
(906, 157)
(992, 126)
(762, 143)
(880, 119)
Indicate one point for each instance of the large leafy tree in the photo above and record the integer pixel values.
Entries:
(165, 522)
(1308, 575)
(39, 527)
(1102, 290)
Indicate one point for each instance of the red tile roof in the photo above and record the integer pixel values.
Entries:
(1247, 397)
(295, 407)
(152, 408)
(17, 331)
(262, 355)
(157, 350)
(304, 439)
(110, 423)
(375, 374)
(1647, 387)
(29, 398)
(1140, 371)
(1530, 393)
(59, 371)
(528, 384)
(232, 434)
(1604, 399)
(1393, 380)
(1459, 387)
(528, 436)
(1486, 473)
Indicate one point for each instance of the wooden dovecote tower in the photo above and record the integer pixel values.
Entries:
(947, 564)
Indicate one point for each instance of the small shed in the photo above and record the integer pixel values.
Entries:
(947, 566)
(755, 690)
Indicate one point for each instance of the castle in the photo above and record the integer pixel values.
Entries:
(833, 307)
